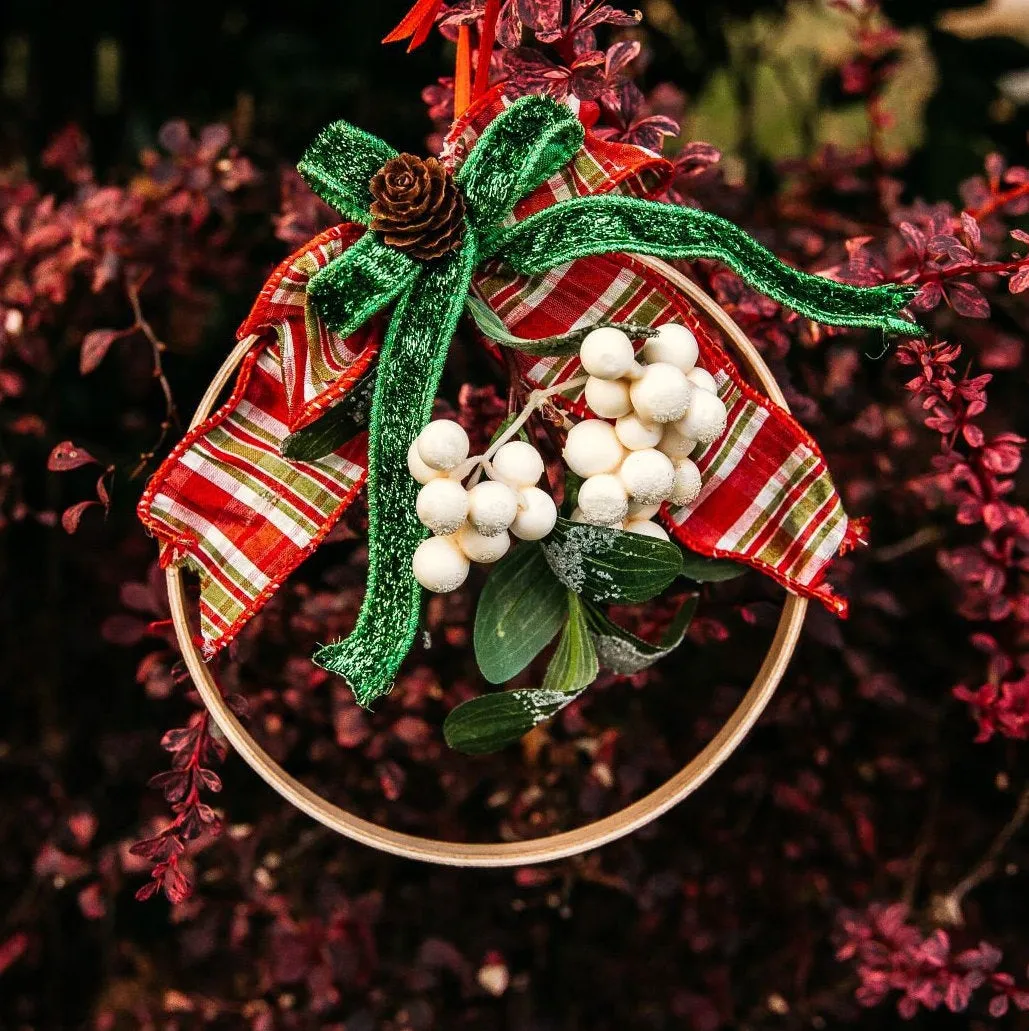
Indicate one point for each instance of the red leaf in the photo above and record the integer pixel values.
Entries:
(968, 300)
(1019, 281)
(102, 494)
(67, 456)
(91, 902)
(13, 949)
(148, 891)
(94, 348)
(123, 629)
(972, 230)
(71, 517)
(914, 236)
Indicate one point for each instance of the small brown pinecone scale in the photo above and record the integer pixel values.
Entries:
(417, 207)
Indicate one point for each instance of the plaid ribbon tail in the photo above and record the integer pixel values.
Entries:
(225, 503)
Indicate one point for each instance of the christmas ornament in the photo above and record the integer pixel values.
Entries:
(522, 225)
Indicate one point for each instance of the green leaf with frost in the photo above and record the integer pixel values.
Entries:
(703, 570)
(608, 566)
(495, 721)
(340, 424)
(624, 653)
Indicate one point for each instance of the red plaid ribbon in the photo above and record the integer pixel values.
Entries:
(227, 505)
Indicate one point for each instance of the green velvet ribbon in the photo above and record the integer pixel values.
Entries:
(522, 148)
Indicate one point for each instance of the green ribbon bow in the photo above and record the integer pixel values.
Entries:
(522, 148)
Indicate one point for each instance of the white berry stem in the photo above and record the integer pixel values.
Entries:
(478, 463)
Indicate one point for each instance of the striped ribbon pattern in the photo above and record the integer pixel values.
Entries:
(225, 504)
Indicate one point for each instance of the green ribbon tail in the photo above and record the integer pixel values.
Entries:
(410, 365)
(594, 225)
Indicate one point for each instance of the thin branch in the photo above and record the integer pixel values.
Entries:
(158, 347)
(948, 905)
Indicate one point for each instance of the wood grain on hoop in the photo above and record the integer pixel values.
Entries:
(540, 850)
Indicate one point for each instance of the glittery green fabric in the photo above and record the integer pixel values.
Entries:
(604, 224)
(360, 283)
(339, 166)
(416, 347)
(516, 152)
(520, 150)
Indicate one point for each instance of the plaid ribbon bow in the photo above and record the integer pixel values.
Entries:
(517, 152)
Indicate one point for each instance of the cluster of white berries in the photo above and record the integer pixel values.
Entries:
(473, 524)
(663, 409)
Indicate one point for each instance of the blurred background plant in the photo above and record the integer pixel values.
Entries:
(860, 862)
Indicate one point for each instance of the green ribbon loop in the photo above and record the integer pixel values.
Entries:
(362, 281)
(522, 148)
(608, 224)
(517, 152)
(339, 166)
(411, 363)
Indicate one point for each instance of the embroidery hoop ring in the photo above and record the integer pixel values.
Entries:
(538, 850)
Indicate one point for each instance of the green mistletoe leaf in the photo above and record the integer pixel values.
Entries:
(340, 424)
(607, 566)
(574, 665)
(564, 345)
(703, 570)
(625, 653)
(521, 609)
(495, 721)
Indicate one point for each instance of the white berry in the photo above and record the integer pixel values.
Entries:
(603, 499)
(646, 528)
(537, 515)
(608, 398)
(442, 506)
(492, 507)
(675, 445)
(607, 353)
(706, 419)
(418, 469)
(703, 379)
(443, 444)
(635, 434)
(439, 565)
(517, 464)
(478, 548)
(686, 488)
(662, 393)
(674, 344)
(592, 447)
(578, 517)
(647, 476)
(638, 513)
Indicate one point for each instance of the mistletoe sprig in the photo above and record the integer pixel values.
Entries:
(558, 589)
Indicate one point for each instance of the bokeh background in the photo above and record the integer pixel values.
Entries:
(864, 849)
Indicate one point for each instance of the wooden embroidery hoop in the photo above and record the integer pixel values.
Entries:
(556, 846)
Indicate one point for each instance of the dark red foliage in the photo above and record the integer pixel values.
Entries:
(892, 955)
(866, 809)
(191, 747)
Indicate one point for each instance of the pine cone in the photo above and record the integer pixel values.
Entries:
(417, 207)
